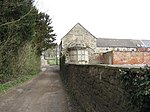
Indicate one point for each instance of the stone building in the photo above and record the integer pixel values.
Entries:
(81, 47)
(78, 45)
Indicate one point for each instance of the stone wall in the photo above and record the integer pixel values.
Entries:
(97, 88)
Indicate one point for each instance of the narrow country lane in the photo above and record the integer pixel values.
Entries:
(44, 93)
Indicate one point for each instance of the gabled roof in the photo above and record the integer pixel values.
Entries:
(78, 24)
(103, 42)
(146, 43)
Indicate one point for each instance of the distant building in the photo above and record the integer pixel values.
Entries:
(81, 47)
(52, 55)
(105, 45)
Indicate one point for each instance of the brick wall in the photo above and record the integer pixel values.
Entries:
(97, 88)
(131, 58)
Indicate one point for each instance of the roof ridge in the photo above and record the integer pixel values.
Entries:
(81, 26)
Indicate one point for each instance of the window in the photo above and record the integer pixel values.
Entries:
(79, 56)
(132, 49)
(117, 49)
(73, 55)
(107, 49)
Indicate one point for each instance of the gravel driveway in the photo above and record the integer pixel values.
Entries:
(45, 93)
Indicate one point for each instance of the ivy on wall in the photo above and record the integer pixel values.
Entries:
(137, 85)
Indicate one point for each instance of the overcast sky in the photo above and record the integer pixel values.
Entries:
(126, 19)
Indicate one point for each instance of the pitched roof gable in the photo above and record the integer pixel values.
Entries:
(78, 24)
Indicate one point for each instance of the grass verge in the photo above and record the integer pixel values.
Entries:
(8, 85)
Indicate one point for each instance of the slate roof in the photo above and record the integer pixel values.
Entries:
(138, 43)
(146, 43)
(105, 42)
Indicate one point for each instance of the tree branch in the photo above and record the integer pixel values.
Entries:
(11, 22)
(7, 23)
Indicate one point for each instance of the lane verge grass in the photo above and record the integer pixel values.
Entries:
(8, 85)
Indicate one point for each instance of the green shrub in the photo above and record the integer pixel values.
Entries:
(137, 84)
(26, 62)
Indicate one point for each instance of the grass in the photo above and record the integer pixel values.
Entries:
(8, 85)
(52, 62)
